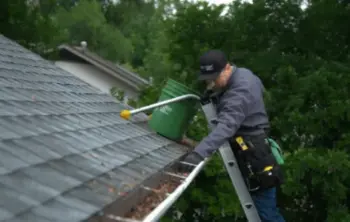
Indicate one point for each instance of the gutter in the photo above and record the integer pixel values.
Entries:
(116, 214)
(164, 206)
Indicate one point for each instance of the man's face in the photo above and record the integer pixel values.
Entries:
(221, 80)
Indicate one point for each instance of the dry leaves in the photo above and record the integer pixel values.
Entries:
(152, 200)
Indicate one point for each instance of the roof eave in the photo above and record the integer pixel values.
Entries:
(135, 83)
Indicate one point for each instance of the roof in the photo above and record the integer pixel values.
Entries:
(115, 70)
(63, 146)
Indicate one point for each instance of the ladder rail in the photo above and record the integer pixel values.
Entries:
(232, 169)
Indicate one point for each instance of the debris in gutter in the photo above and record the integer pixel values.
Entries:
(152, 200)
(176, 175)
(157, 195)
(121, 219)
(111, 189)
(123, 194)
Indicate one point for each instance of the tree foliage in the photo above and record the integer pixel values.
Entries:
(86, 22)
(300, 53)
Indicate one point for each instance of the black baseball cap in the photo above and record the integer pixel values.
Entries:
(211, 64)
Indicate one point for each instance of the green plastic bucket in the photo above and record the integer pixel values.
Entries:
(172, 120)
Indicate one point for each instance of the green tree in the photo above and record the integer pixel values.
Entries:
(23, 22)
(196, 28)
(132, 19)
(307, 100)
(328, 35)
(86, 22)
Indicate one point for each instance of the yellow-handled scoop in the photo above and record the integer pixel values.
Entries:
(125, 114)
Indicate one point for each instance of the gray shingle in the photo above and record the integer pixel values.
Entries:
(85, 194)
(122, 150)
(37, 148)
(82, 162)
(17, 127)
(129, 175)
(65, 153)
(28, 217)
(108, 152)
(19, 152)
(50, 177)
(54, 144)
(70, 170)
(4, 214)
(59, 211)
(22, 183)
(11, 162)
(15, 202)
(73, 202)
(98, 187)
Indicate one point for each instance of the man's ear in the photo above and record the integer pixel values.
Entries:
(228, 70)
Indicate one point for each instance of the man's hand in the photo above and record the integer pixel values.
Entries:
(192, 158)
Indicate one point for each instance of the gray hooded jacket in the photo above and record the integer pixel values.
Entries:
(241, 111)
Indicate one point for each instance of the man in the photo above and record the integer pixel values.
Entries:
(241, 113)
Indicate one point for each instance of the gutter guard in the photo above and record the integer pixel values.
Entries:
(164, 206)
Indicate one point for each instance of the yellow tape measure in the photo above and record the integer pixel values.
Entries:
(241, 143)
(268, 168)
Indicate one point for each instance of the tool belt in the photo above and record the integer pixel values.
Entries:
(256, 162)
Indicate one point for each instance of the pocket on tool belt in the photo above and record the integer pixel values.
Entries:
(263, 164)
(257, 153)
(270, 175)
(269, 178)
(260, 162)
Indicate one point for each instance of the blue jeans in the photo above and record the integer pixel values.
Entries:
(265, 203)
